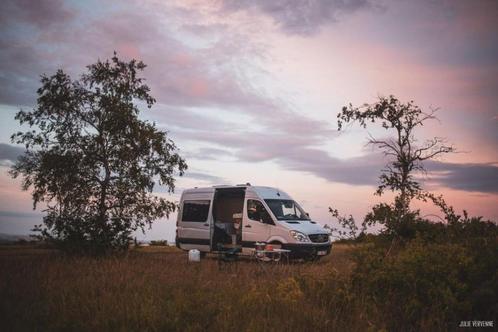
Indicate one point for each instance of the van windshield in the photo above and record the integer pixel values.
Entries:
(286, 209)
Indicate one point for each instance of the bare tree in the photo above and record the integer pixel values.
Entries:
(403, 149)
(348, 229)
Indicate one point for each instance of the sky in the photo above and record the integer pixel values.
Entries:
(249, 90)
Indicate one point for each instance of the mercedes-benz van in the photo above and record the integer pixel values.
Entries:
(214, 217)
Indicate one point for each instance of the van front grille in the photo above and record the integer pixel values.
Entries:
(319, 238)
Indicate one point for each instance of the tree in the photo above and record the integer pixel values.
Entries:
(407, 156)
(92, 161)
(348, 229)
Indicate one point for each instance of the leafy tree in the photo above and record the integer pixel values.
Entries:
(406, 154)
(92, 161)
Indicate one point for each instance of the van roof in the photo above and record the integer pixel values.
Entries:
(262, 191)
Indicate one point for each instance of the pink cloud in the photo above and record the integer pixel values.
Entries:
(198, 88)
(129, 50)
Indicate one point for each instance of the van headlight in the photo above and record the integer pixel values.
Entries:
(300, 237)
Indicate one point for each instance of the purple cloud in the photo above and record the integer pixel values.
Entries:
(179, 75)
(40, 13)
(9, 154)
(187, 79)
(364, 170)
(301, 17)
(467, 176)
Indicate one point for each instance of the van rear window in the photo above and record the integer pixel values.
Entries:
(195, 211)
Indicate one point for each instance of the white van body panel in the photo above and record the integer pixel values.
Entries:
(277, 239)
(280, 232)
(195, 230)
(269, 193)
(253, 231)
(305, 227)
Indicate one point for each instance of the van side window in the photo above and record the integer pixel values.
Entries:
(195, 211)
(257, 212)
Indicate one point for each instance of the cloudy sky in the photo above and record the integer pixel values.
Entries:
(249, 90)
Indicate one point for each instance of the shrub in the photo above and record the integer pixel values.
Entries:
(448, 273)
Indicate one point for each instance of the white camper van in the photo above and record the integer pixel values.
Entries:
(243, 215)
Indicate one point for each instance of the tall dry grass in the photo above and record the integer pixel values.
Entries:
(158, 290)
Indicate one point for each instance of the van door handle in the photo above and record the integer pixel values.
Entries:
(206, 224)
(248, 226)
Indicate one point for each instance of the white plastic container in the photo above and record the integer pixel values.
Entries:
(194, 255)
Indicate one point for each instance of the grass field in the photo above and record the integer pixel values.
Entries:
(155, 288)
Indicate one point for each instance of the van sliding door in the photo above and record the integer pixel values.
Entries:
(228, 205)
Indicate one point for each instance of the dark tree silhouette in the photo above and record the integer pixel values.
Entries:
(92, 161)
(405, 153)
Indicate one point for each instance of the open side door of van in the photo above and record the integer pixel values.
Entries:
(228, 206)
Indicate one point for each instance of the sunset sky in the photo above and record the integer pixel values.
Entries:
(250, 90)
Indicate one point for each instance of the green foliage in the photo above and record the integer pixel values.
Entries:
(446, 274)
(412, 285)
(428, 275)
(416, 274)
(92, 161)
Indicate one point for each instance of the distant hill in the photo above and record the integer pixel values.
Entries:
(11, 238)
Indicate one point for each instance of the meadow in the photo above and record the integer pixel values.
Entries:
(156, 289)
(424, 284)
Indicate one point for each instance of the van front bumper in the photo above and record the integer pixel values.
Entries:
(307, 250)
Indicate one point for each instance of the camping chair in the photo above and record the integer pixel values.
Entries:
(228, 253)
